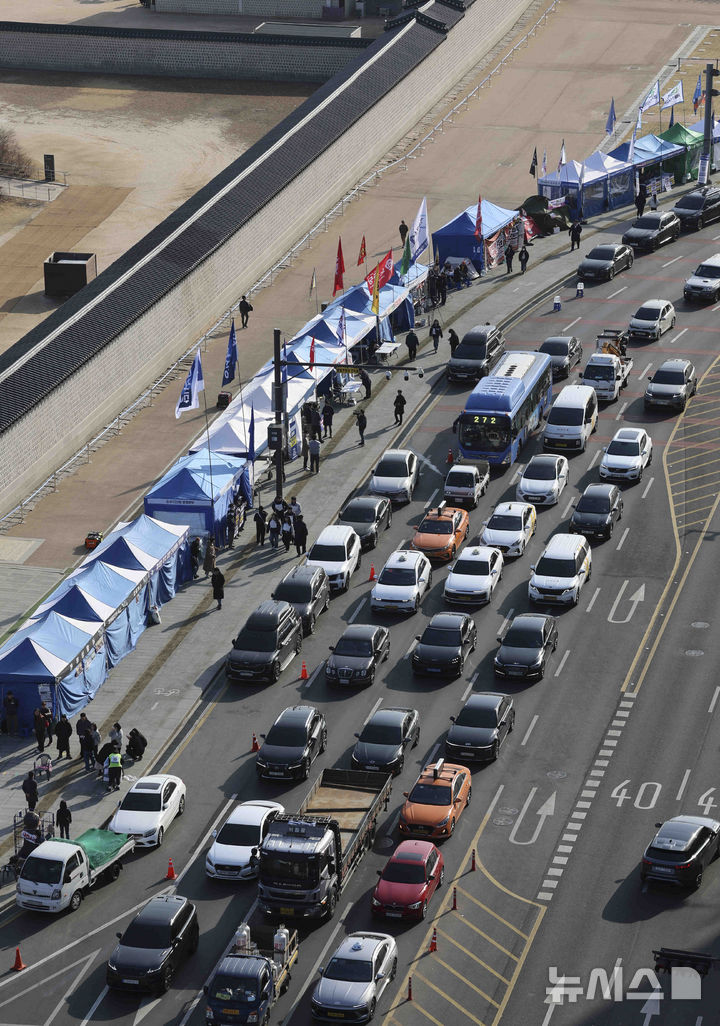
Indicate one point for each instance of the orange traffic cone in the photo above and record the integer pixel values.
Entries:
(171, 875)
(409, 997)
(303, 671)
(19, 964)
(433, 940)
(372, 572)
(255, 745)
(450, 457)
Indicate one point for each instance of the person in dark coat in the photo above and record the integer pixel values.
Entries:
(136, 745)
(30, 789)
(218, 586)
(63, 818)
(231, 525)
(83, 725)
(12, 708)
(209, 560)
(87, 749)
(315, 421)
(412, 342)
(453, 340)
(274, 530)
(260, 519)
(39, 728)
(432, 287)
(63, 733)
(436, 333)
(286, 531)
(305, 451)
(509, 254)
(48, 717)
(245, 310)
(366, 383)
(301, 534)
(195, 556)
(403, 229)
(314, 447)
(328, 412)
(575, 231)
(399, 406)
(361, 420)
(523, 257)
(640, 201)
(442, 287)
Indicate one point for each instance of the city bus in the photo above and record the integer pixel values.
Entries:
(505, 408)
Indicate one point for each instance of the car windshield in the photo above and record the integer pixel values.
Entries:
(461, 480)
(565, 415)
(291, 735)
(523, 636)
(599, 372)
(358, 514)
(382, 734)
(708, 271)
(243, 835)
(669, 377)
(477, 716)
(299, 871)
(549, 566)
(397, 575)
(430, 794)
(593, 504)
(141, 801)
(353, 970)
(430, 526)
(256, 641)
(647, 313)
(540, 471)
(229, 988)
(392, 466)
(293, 591)
(471, 350)
(41, 871)
(484, 433)
(505, 522)
(601, 253)
(354, 647)
(472, 567)
(646, 222)
(404, 872)
(141, 934)
(554, 348)
(444, 637)
(663, 855)
(617, 448)
(691, 202)
(328, 553)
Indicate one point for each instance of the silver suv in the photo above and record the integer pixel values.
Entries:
(672, 384)
(704, 283)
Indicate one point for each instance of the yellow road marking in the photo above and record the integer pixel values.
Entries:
(692, 433)
(487, 937)
(452, 1001)
(427, 1014)
(694, 509)
(467, 982)
(695, 466)
(711, 473)
(191, 734)
(505, 890)
(475, 958)
(518, 967)
(694, 523)
(500, 919)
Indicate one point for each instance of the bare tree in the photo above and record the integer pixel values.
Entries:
(13, 159)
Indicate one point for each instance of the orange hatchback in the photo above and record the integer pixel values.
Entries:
(441, 532)
(436, 802)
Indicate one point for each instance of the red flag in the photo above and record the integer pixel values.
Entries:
(385, 268)
(312, 352)
(363, 253)
(339, 269)
(478, 219)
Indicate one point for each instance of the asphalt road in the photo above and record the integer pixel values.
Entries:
(600, 753)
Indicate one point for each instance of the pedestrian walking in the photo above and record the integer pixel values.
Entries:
(403, 229)
(209, 560)
(87, 749)
(523, 257)
(509, 254)
(63, 733)
(218, 586)
(366, 382)
(436, 333)
(63, 818)
(195, 556)
(361, 421)
(39, 728)
(30, 789)
(96, 739)
(305, 451)
(83, 725)
(399, 406)
(412, 342)
(575, 231)
(12, 708)
(115, 737)
(231, 525)
(328, 412)
(314, 447)
(260, 519)
(295, 508)
(245, 310)
(274, 530)
(442, 287)
(301, 534)
(48, 717)
(432, 287)
(653, 201)
(286, 532)
(279, 506)
(453, 340)
(115, 763)
(640, 200)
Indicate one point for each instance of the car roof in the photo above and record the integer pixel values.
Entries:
(657, 214)
(606, 245)
(563, 544)
(296, 714)
(449, 621)
(447, 774)
(655, 303)
(531, 619)
(152, 783)
(391, 714)
(161, 909)
(447, 513)
(484, 700)
(306, 572)
(360, 946)
(412, 851)
(675, 364)
(253, 812)
(268, 614)
(364, 502)
(397, 452)
(403, 556)
(460, 467)
(360, 630)
(570, 395)
(628, 435)
(559, 338)
(477, 552)
(512, 507)
(542, 459)
(335, 534)
(714, 259)
(599, 489)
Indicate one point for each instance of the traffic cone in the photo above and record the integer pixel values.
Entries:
(450, 457)
(433, 941)
(255, 745)
(409, 997)
(454, 904)
(303, 671)
(372, 572)
(19, 964)
(472, 864)
(171, 875)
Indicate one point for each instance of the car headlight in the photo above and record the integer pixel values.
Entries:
(209, 1015)
(375, 902)
(150, 833)
(455, 660)
(415, 905)
(56, 894)
(261, 763)
(362, 673)
(111, 966)
(537, 661)
(295, 766)
(445, 821)
(331, 671)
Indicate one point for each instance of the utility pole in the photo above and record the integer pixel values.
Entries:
(706, 159)
(279, 404)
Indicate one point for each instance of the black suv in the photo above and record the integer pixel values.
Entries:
(159, 938)
(268, 642)
(597, 511)
(699, 207)
(477, 354)
(307, 590)
(294, 741)
(444, 645)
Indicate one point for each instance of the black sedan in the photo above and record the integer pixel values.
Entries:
(603, 262)
(652, 230)
(382, 742)
(564, 351)
(294, 741)
(526, 645)
(358, 654)
(368, 514)
(159, 938)
(597, 511)
(480, 727)
(680, 850)
(444, 645)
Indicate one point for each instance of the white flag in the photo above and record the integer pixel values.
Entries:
(419, 240)
(652, 99)
(544, 163)
(638, 123)
(675, 95)
(194, 385)
(631, 149)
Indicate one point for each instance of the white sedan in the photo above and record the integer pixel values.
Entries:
(626, 457)
(510, 527)
(403, 581)
(543, 480)
(396, 475)
(474, 576)
(148, 809)
(229, 856)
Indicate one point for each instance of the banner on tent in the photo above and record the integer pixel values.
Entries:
(559, 201)
(495, 248)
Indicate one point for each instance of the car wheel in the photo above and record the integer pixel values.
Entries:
(332, 903)
(275, 671)
(312, 622)
(160, 835)
(416, 742)
(323, 741)
(424, 910)
(441, 881)
(469, 797)
(631, 258)
(461, 667)
(700, 224)
(698, 879)
(451, 831)
(416, 606)
(181, 806)
(452, 556)
(371, 1010)
(495, 751)
(672, 324)
(393, 970)
(511, 728)
(346, 583)
(165, 980)
(76, 901)
(305, 769)
(612, 274)
(400, 765)
(576, 597)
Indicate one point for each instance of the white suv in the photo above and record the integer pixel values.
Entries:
(337, 551)
(403, 581)
(562, 570)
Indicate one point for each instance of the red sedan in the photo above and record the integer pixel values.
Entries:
(408, 881)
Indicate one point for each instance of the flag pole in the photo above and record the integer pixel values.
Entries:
(207, 436)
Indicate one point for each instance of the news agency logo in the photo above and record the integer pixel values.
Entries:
(685, 985)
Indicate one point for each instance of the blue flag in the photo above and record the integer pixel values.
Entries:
(283, 366)
(610, 125)
(231, 357)
(251, 436)
(194, 385)
(697, 95)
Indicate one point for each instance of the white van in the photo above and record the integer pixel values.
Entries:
(572, 418)
(562, 570)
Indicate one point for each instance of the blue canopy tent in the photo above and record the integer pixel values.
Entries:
(457, 238)
(650, 150)
(198, 490)
(619, 185)
(584, 187)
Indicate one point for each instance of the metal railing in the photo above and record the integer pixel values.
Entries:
(32, 173)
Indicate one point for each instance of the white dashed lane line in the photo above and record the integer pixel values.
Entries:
(616, 292)
(591, 603)
(625, 533)
(647, 488)
(562, 663)
(713, 701)
(529, 731)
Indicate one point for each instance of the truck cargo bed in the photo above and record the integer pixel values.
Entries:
(347, 796)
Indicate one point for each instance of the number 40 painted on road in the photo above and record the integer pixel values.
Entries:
(648, 793)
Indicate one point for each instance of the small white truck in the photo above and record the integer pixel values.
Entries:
(57, 874)
(608, 369)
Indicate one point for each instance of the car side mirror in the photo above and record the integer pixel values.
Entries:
(604, 448)
(263, 736)
(321, 969)
(380, 976)
(214, 833)
(205, 989)
(357, 735)
(234, 641)
(379, 872)
(532, 567)
(406, 794)
(499, 637)
(452, 719)
(417, 637)
(433, 876)
(649, 377)
(331, 648)
(493, 571)
(118, 935)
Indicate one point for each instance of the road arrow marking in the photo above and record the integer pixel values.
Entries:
(84, 964)
(650, 1008)
(426, 462)
(546, 809)
(147, 1006)
(635, 599)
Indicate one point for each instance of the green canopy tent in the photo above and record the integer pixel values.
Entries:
(684, 166)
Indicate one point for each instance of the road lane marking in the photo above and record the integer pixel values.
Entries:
(205, 839)
(616, 292)
(373, 711)
(154, 706)
(618, 415)
(447, 997)
(673, 261)
(356, 611)
(465, 980)
(495, 915)
(467, 691)
(516, 475)
(313, 675)
(147, 1006)
(413, 646)
(648, 486)
(676, 337)
(592, 462)
(428, 504)
(491, 940)
(644, 372)
(313, 970)
(591, 603)
(568, 507)
(568, 326)
(530, 729)
(711, 707)
(506, 622)
(95, 1004)
(562, 662)
(84, 964)
(625, 533)
(683, 785)
(465, 951)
